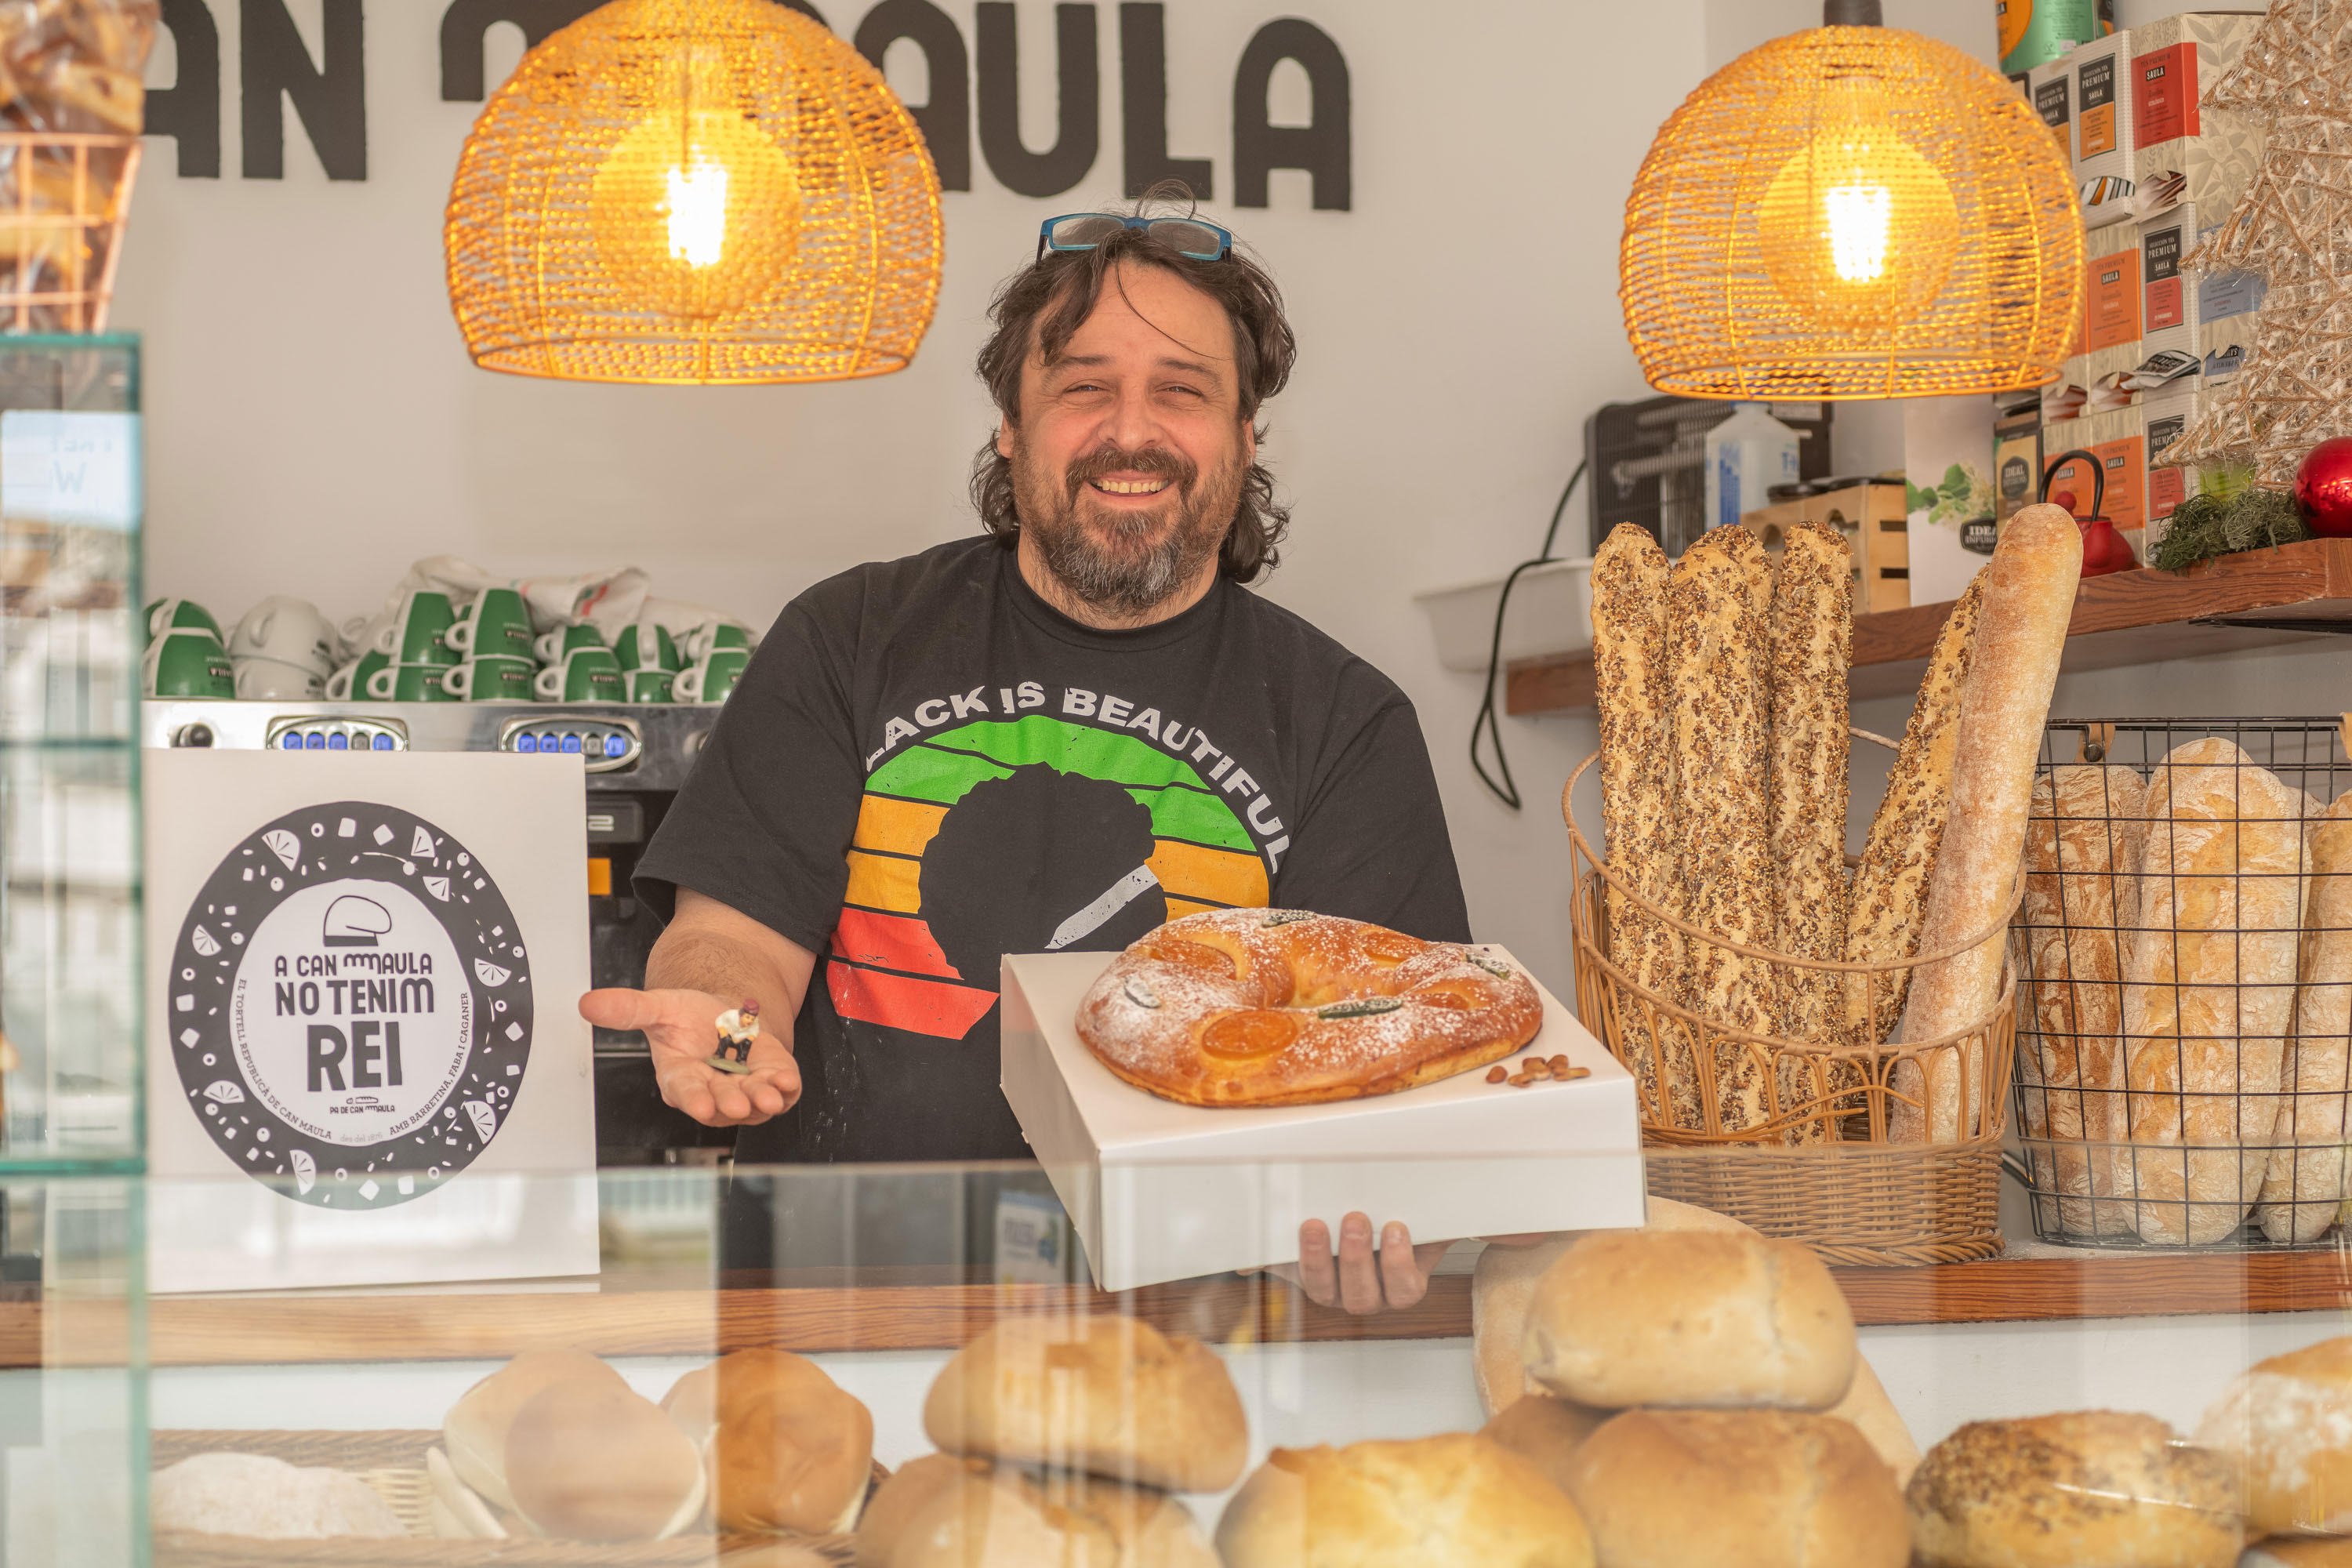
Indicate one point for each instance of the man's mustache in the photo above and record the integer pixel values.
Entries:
(1154, 461)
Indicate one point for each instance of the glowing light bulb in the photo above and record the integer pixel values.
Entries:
(696, 212)
(1858, 230)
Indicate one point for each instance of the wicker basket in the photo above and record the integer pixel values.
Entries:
(1820, 1166)
(392, 1464)
(63, 200)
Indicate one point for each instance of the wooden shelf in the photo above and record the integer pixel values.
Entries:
(2259, 598)
(479, 1325)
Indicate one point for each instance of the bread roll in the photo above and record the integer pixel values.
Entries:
(693, 1402)
(264, 1499)
(2303, 1186)
(1690, 1317)
(1718, 604)
(776, 1554)
(2029, 599)
(1503, 1288)
(1890, 886)
(1004, 1519)
(590, 1461)
(1450, 1501)
(474, 1433)
(1812, 655)
(898, 1500)
(1545, 1431)
(789, 1450)
(1108, 1394)
(2306, 1551)
(2209, 990)
(457, 1512)
(2287, 1422)
(2095, 1489)
(2082, 840)
(1761, 1489)
(1632, 699)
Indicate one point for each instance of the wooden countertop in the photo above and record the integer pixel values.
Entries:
(2257, 598)
(901, 1310)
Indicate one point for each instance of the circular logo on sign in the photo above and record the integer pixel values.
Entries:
(350, 1005)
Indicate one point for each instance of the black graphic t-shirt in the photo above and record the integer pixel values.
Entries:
(927, 767)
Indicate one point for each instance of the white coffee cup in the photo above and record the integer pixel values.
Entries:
(287, 631)
(275, 680)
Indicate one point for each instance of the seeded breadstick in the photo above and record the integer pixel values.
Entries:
(1890, 886)
(1813, 654)
(1718, 603)
(1629, 670)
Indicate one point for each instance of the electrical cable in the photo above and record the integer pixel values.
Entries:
(1488, 723)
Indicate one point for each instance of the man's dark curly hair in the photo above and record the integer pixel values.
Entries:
(1046, 303)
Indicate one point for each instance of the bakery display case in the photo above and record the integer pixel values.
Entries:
(863, 1321)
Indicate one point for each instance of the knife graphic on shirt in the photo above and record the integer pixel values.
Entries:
(1115, 897)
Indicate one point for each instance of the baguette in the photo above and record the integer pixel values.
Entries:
(1811, 658)
(1630, 691)
(1890, 886)
(2209, 990)
(2021, 636)
(2304, 1187)
(2083, 836)
(1718, 602)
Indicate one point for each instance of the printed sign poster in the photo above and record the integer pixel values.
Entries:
(365, 1065)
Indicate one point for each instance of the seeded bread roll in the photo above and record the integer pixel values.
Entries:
(1451, 1502)
(1890, 886)
(1632, 699)
(2304, 1188)
(1690, 1317)
(1812, 654)
(1761, 1489)
(2081, 842)
(1718, 606)
(2209, 990)
(2287, 1423)
(2029, 600)
(2093, 1489)
(1112, 1395)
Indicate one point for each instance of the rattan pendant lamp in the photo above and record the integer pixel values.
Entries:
(694, 191)
(1852, 211)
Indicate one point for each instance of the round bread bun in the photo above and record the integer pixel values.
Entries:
(1002, 1518)
(588, 1462)
(1112, 1395)
(1283, 1007)
(1457, 1500)
(2288, 1422)
(2304, 1552)
(905, 1494)
(1763, 1488)
(693, 1402)
(1546, 1431)
(474, 1433)
(457, 1514)
(264, 1498)
(776, 1554)
(1629, 1318)
(2097, 1488)
(790, 1450)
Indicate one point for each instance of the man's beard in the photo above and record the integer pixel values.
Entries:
(1126, 563)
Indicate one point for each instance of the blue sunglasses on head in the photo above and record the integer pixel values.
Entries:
(1083, 231)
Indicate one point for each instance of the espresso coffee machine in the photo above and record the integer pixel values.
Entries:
(636, 757)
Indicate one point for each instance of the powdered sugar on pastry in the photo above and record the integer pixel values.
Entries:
(1282, 1007)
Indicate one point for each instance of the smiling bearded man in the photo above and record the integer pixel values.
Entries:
(1057, 734)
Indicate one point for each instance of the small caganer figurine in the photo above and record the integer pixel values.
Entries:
(738, 1027)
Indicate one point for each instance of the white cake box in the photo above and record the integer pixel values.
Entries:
(1159, 1191)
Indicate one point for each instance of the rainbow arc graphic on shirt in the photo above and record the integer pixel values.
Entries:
(885, 966)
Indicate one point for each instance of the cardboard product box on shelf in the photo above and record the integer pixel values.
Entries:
(2178, 304)
(2104, 167)
(2050, 89)
(1947, 493)
(2182, 151)
(2165, 415)
(2224, 344)
(2117, 442)
(1159, 1191)
(2016, 461)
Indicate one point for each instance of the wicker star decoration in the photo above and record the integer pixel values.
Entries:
(2294, 228)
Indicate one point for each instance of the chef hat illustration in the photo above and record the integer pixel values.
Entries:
(354, 922)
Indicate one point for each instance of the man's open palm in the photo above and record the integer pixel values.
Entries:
(681, 1031)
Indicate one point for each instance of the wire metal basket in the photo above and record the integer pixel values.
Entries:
(63, 196)
(2184, 953)
(1808, 1149)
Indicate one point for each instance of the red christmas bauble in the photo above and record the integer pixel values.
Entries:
(2323, 488)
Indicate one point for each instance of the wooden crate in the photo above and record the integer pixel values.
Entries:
(1874, 522)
